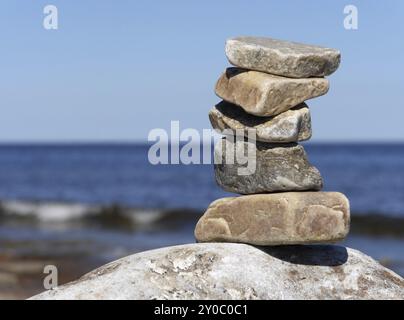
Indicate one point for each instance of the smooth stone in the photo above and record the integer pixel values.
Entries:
(276, 219)
(262, 94)
(273, 167)
(228, 271)
(284, 58)
(290, 126)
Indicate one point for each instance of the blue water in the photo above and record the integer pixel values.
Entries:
(371, 175)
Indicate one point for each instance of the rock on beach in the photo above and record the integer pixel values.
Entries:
(264, 95)
(276, 219)
(237, 271)
(271, 168)
(290, 126)
(284, 58)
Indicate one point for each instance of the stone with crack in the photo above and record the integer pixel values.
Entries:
(263, 94)
(290, 126)
(249, 167)
(276, 219)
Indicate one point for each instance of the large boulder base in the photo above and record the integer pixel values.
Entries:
(237, 271)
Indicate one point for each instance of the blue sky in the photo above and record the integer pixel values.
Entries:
(116, 69)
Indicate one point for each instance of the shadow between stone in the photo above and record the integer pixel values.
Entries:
(311, 255)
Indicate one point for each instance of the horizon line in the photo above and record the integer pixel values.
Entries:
(145, 142)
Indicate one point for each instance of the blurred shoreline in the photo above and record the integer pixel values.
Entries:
(78, 206)
(78, 237)
(124, 218)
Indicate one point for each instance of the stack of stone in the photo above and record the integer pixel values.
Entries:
(265, 92)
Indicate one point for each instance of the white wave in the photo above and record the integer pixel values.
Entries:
(143, 217)
(48, 211)
(54, 212)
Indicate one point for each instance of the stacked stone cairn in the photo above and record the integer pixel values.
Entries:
(281, 202)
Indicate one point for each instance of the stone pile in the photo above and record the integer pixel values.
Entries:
(281, 202)
(265, 93)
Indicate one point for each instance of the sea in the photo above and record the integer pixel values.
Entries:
(78, 206)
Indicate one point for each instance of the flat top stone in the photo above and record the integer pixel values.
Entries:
(237, 271)
(289, 48)
(285, 58)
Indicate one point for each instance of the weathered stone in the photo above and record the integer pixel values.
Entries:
(276, 219)
(289, 59)
(290, 126)
(263, 94)
(237, 271)
(271, 168)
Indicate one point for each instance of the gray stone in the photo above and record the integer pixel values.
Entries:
(237, 271)
(271, 168)
(262, 94)
(290, 126)
(284, 58)
(276, 219)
